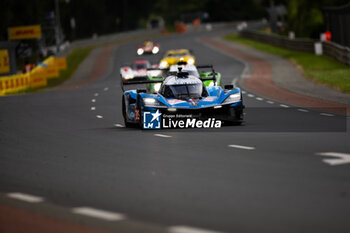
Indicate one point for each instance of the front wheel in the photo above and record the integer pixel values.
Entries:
(236, 116)
(126, 123)
(140, 112)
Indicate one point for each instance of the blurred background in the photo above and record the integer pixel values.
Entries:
(60, 22)
(85, 18)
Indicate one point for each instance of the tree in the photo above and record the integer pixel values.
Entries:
(305, 17)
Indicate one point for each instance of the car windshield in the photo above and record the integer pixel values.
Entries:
(192, 72)
(177, 54)
(184, 91)
(139, 66)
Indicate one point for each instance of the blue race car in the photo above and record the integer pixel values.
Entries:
(182, 94)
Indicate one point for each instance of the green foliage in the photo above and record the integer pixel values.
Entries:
(305, 17)
(230, 10)
(218, 10)
(321, 69)
(171, 11)
(91, 16)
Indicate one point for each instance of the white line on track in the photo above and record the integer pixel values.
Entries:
(242, 147)
(25, 197)
(270, 102)
(326, 114)
(162, 135)
(93, 100)
(339, 158)
(106, 89)
(118, 125)
(186, 229)
(251, 95)
(99, 116)
(244, 92)
(259, 98)
(284, 106)
(93, 108)
(302, 110)
(96, 94)
(96, 213)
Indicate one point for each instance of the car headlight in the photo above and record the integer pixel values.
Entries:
(190, 61)
(128, 76)
(233, 98)
(151, 102)
(140, 51)
(163, 64)
(155, 50)
(157, 86)
(154, 73)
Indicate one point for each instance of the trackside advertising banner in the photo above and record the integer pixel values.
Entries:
(24, 32)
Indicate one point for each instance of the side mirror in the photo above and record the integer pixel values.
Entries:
(229, 87)
(141, 91)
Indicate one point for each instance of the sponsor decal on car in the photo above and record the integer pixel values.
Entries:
(175, 101)
(209, 99)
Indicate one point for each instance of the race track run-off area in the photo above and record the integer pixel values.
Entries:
(67, 160)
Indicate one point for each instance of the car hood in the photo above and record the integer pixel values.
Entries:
(194, 103)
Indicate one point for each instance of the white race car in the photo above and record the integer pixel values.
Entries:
(137, 71)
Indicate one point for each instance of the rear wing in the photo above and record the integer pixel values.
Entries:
(139, 82)
(205, 66)
(198, 67)
(161, 80)
(161, 69)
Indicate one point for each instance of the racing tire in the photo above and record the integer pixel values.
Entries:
(126, 123)
(236, 117)
(138, 105)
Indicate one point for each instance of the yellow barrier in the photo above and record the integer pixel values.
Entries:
(4, 61)
(35, 78)
(38, 78)
(61, 63)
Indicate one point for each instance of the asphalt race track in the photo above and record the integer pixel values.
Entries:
(264, 176)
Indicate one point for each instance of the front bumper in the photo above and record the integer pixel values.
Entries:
(230, 112)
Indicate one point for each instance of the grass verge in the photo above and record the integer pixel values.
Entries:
(73, 60)
(320, 69)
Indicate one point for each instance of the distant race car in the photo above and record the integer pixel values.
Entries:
(172, 57)
(137, 71)
(183, 93)
(148, 47)
(191, 69)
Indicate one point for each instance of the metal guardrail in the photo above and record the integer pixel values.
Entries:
(338, 52)
(333, 50)
(280, 41)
